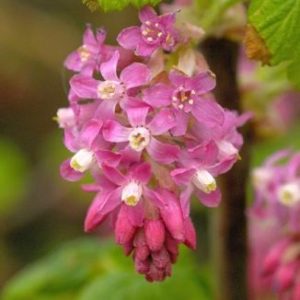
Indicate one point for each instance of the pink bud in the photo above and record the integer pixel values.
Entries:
(172, 215)
(155, 234)
(142, 252)
(190, 234)
(161, 258)
(142, 266)
(124, 230)
(172, 247)
(155, 274)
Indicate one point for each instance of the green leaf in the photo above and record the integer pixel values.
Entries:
(278, 24)
(87, 269)
(109, 5)
(13, 175)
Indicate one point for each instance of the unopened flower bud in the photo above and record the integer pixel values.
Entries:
(65, 117)
(204, 181)
(82, 160)
(155, 234)
(132, 193)
(124, 230)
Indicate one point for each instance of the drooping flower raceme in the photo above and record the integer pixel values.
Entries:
(275, 256)
(144, 123)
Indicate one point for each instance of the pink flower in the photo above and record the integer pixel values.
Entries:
(187, 95)
(90, 152)
(113, 89)
(154, 33)
(87, 57)
(142, 133)
(149, 137)
(117, 190)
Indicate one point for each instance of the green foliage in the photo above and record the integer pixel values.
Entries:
(210, 11)
(13, 175)
(89, 270)
(109, 5)
(278, 23)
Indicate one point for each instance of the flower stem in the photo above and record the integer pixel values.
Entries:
(222, 57)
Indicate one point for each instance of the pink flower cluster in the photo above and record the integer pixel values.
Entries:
(151, 135)
(275, 213)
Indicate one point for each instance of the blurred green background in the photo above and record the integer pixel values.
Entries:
(41, 215)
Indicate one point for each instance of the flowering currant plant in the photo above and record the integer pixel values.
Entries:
(277, 253)
(143, 121)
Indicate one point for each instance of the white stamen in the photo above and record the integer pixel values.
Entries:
(65, 117)
(160, 34)
(107, 89)
(191, 101)
(204, 181)
(150, 39)
(144, 32)
(139, 138)
(132, 193)
(180, 106)
(156, 25)
(148, 23)
(289, 193)
(174, 98)
(82, 160)
(84, 53)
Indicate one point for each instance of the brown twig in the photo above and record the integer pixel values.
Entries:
(222, 56)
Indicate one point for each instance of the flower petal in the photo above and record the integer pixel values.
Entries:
(103, 204)
(136, 74)
(108, 157)
(69, 173)
(142, 172)
(158, 95)
(203, 82)
(113, 175)
(178, 78)
(212, 199)
(208, 112)
(163, 121)
(137, 116)
(147, 13)
(185, 199)
(161, 152)
(183, 175)
(108, 69)
(171, 213)
(114, 132)
(84, 86)
(89, 37)
(106, 110)
(73, 61)
(89, 133)
(129, 37)
(182, 119)
(144, 49)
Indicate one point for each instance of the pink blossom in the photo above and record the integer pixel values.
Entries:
(113, 89)
(150, 137)
(187, 95)
(142, 133)
(87, 57)
(155, 32)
